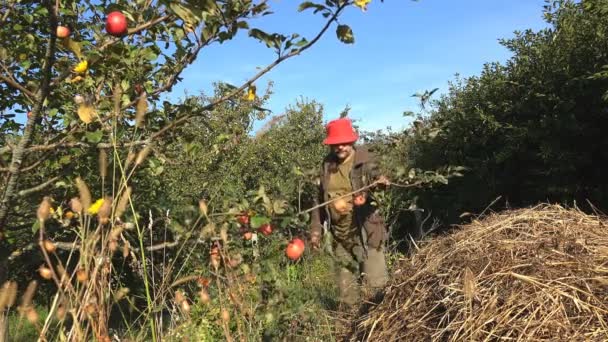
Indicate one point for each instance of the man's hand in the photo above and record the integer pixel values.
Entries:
(315, 240)
(383, 180)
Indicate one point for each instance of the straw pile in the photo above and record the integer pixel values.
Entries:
(533, 274)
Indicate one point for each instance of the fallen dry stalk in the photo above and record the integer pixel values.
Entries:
(531, 274)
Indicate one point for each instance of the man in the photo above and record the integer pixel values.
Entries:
(357, 228)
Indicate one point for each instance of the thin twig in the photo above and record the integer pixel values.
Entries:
(37, 188)
(356, 191)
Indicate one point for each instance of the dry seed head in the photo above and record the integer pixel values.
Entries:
(49, 246)
(105, 210)
(76, 205)
(116, 96)
(103, 163)
(60, 271)
(115, 233)
(11, 297)
(202, 206)
(44, 209)
(225, 316)
(32, 315)
(45, 272)
(90, 308)
(28, 296)
(121, 293)
(141, 156)
(5, 295)
(215, 262)
(224, 234)
(186, 306)
(123, 201)
(61, 311)
(125, 249)
(204, 295)
(179, 297)
(112, 246)
(82, 276)
(130, 158)
(85, 194)
(142, 108)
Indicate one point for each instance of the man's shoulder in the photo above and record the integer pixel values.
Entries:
(363, 155)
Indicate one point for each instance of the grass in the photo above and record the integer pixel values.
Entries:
(20, 330)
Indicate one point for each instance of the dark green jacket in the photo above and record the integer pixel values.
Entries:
(367, 217)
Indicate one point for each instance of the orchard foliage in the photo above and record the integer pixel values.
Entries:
(530, 130)
(86, 174)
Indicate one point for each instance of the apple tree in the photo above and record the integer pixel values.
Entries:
(80, 95)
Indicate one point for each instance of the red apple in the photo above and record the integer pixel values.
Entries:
(294, 249)
(265, 229)
(299, 242)
(243, 219)
(247, 235)
(63, 31)
(116, 24)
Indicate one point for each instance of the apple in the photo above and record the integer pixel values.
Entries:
(359, 200)
(299, 242)
(63, 32)
(116, 24)
(265, 229)
(243, 219)
(294, 249)
(247, 235)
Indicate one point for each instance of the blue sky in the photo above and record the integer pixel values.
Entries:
(401, 47)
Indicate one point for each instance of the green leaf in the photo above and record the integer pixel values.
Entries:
(94, 137)
(279, 206)
(309, 4)
(35, 226)
(65, 160)
(258, 221)
(345, 34)
(124, 84)
(263, 37)
(184, 13)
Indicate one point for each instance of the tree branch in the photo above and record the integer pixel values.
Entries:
(14, 84)
(113, 41)
(136, 29)
(186, 61)
(37, 188)
(29, 131)
(255, 77)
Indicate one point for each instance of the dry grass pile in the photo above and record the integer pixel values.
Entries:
(531, 274)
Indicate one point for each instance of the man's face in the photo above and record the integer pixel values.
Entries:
(342, 151)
